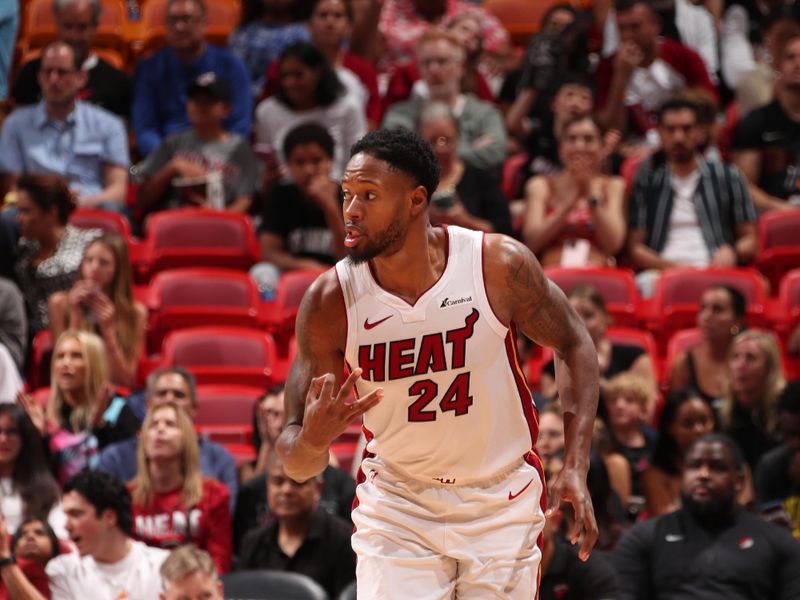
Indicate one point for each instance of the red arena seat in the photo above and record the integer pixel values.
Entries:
(616, 286)
(778, 244)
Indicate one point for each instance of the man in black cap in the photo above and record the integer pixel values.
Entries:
(196, 166)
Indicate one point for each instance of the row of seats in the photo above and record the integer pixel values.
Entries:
(119, 39)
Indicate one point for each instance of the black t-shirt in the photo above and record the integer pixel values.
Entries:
(772, 482)
(569, 578)
(298, 222)
(325, 556)
(106, 87)
(770, 130)
(482, 197)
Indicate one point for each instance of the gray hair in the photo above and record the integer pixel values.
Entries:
(59, 5)
(432, 111)
(185, 560)
(191, 382)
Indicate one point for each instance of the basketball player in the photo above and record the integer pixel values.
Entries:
(450, 495)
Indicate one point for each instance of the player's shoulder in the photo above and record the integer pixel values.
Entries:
(502, 254)
(322, 304)
(324, 291)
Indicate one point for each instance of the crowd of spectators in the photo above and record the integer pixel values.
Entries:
(645, 135)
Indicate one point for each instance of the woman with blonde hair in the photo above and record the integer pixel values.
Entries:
(83, 413)
(101, 301)
(173, 504)
(749, 408)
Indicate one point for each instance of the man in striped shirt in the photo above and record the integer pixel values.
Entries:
(685, 211)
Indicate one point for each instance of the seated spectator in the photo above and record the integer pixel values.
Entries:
(173, 503)
(302, 225)
(468, 28)
(608, 509)
(50, 251)
(559, 47)
(749, 411)
(303, 538)
(684, 21)
(310, 91)
(644, 72)
(267, 28)
(685, 211)
(612, 358)
(269, 420)
(441, 59)
(329, 24)
(764, 145)
(101, 301)
(13, 333)
(466, 196)
(205, 149)
(252, 510)
(388, 32)
(34, 544)
(28, 487)
(564, 576)
(160, 81)
(616, 465)
(190, 573)
(171, 384)
(685, 417)
(9, 24)
(707, 122)
(625, 398)
(704, 367)
(550, 441)
(64, 135)
(575, 218)
(104, 85)
(709, 548)
(108, 561)
(777, 480)
(84, 414)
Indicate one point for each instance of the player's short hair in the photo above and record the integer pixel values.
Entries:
(308, 133)
(104, 491)
(404, 151)
(185, 560)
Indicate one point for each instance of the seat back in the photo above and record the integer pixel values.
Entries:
(108, 221)
(292, 285)
(679, 342)
(778, 244)
(267, 584)
(180, 298)
(225, 412)
(616, 286)
(522, 18)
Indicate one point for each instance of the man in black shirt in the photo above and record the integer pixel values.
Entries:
(766, 146)
(302, 225)
(303, 538)
(709, 549)
(106, 86)
(778, 471)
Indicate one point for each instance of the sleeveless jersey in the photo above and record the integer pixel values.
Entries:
(456, 407)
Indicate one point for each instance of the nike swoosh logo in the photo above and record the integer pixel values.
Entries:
(368, 325)
(512, 496)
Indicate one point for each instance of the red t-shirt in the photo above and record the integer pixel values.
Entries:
(167, 522)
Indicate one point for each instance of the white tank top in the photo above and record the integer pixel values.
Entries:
(456, 407)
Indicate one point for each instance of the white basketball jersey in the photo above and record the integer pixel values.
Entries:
(456, 407)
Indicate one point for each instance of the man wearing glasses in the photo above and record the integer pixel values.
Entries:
(85, 144)
(160, 81)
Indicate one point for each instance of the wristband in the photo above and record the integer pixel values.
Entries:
(10, 560)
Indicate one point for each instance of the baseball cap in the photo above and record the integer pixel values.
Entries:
(209, 83)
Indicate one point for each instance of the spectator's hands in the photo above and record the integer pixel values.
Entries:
(611, 141)
(725, 256)
(103, 309)
(323, 191)
(570, 486)
(628, 58)
(327, 414)
(34, 410)
(80, 292)
(182, 167)
(5, 539)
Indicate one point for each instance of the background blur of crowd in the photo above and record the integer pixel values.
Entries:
(169, 180)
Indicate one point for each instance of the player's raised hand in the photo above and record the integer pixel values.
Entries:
(570, 487)
(327, 414)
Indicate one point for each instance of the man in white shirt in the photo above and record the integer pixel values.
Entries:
(108, 564)
(686, 211)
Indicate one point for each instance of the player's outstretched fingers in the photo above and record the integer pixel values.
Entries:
(314, 389)
(348, 385)
(363, 404)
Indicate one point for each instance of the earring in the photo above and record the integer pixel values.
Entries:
(735, 329)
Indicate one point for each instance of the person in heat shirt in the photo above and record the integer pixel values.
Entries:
(450, 496)
(173, 503)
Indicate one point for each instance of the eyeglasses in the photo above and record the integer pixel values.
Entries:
(175, 19)
(48, 71)
(10, 432)
(442, 142)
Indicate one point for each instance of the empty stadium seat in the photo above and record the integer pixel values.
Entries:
(282, 312)
(225, 412)
(111, 222)
(786, 314)
(180, 298)
(189, 237)
(616, 286)
(678, 291)
(778, 244)
(521, 18)
(266, 584)
(222, 355)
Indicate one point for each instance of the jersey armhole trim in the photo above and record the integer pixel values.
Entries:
(493, 320)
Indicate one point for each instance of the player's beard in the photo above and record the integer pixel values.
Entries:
(386, 243)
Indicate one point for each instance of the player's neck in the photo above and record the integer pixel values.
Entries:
(412, 270)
